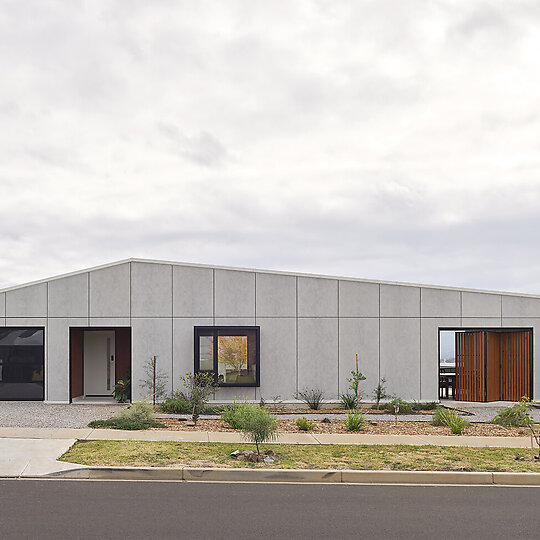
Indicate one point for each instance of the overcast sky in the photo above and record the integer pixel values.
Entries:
(394, 140)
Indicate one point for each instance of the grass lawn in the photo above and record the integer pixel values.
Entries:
(294, 456)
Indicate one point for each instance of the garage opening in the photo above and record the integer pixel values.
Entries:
(99, 358)
(485, 364)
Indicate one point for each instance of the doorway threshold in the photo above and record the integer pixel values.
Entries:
(90, 400)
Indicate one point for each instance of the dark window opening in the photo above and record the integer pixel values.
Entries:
(230, 353)
(22, 361)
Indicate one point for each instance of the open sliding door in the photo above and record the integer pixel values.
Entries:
(470, 366)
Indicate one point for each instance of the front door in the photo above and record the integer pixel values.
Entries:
(99, 354)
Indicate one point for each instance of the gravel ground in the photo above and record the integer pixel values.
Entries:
(43, 415)
(484, 412)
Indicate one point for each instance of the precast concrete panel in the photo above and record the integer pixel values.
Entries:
(183, 347)
(275, 295)
(109, 291)
(109, 322)
(400, 301)
(150, 337)
(58, 365)
(234, 293)
(2, 305)
(481, 322)
(525, 322)
(481, 304)
(151, 290)
(318, 355)
(278, 358)
(26, 321)
(317, 297)
(238, 394)
(429, 381)
(357, 299)
(193, 292)
(2, 321)
(440, 303)
(520, 306)
(68, 297)
(28, 301)
(400, 356)
(359, 336)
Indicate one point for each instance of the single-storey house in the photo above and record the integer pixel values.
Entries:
(261, 333)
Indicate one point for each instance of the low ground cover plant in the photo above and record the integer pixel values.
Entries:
(516, 415)
(312, 397)
(355, 420)
(398, 405)
(304, 424)
(178, 403)
(232, 415)
(122, 389)
(450, 418)
(428, 406)
(139, 415)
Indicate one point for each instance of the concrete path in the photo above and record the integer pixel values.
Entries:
(285, 438)
(33, 457)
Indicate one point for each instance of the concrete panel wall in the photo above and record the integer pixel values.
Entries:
(318, 355)
(440, 303)
(2, 305)
(151, 290)
(275, 295)
(29, 301)
(278, 358)
(317, 297)
(481, 305)
(399, 301)
(429, 382)
(58, 368)
(359, 336)
(183, 347)
(110, 291)
(358, 299)
(151, 337)
(400, 356)
(105, 322)
(481, 322)
(234, 293)
(193, 292)
(520, 306)
(68, 297)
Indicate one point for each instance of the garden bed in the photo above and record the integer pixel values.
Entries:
(372, 428)
(361, 457)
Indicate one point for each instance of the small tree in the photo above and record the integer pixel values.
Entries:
(198, 389)
(379, 393)
(354, 383)
(257, 425)
(155, 380)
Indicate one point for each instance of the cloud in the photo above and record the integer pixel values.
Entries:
(386, 139)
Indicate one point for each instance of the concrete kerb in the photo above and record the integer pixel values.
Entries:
(327, 476)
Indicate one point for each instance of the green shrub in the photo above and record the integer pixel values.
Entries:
(178, 403)
(257, 424)
(304, 424)
(198, 389)
(139, 415)
(404, 406)
(232, 415)
(122, 389)
(450, 418)
(429, 406)
(312, 397)
(355, 420)
(348, 401)
(516, 415)
(379, 392)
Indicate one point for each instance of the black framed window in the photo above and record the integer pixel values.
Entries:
(22, 364)
(231, 353)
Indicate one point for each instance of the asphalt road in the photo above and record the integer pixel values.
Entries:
(57, 509)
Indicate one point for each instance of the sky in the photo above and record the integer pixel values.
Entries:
(388, 139)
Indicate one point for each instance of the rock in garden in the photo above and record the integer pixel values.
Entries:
(270, 453)
(326, 421)
(268, 459)
(236, 453)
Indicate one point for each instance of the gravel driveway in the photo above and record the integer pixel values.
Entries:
(43, 415)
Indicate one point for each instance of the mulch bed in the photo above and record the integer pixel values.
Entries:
(372, 428)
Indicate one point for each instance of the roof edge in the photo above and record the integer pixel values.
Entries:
(266, 271)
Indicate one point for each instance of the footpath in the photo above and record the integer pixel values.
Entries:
(33, 453)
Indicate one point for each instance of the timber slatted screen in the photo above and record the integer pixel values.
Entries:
(470, 379)
(515, 365)
(493, 366)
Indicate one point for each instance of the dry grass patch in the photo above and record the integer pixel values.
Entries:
(364, 457)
